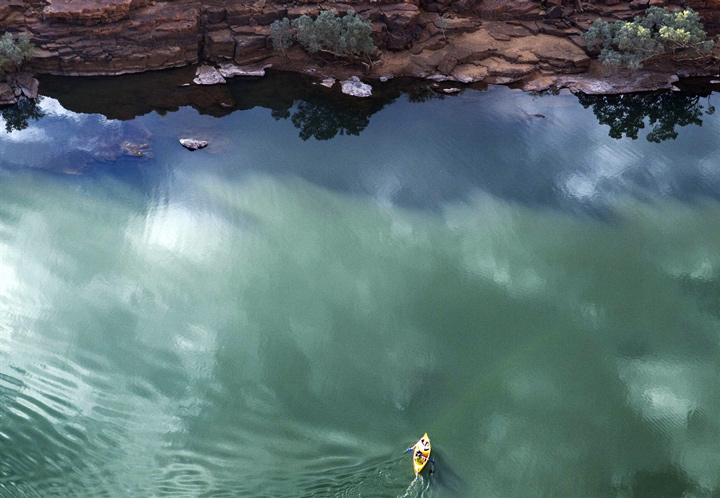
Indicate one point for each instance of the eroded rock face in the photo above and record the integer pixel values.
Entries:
(479, 56)
(402, 25)
(495, 41)
(12, 13)
(123, 37)
(709, 11)
(617, 83)
(89, 12)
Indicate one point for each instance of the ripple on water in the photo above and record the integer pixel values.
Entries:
(67, 427)
(184, 479)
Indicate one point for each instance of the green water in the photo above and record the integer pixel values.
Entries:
(279, 316)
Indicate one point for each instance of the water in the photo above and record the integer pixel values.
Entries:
(284, 312)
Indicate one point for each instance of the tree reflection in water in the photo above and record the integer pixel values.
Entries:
(626, 114)
(323, 120)
(322, 117)
(317, 112)
(17, 117)
(321, 113)
(422, 93)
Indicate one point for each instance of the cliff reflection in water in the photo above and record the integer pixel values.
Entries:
(405, 146)
(317, 112)
(321, 113)
(626, 114)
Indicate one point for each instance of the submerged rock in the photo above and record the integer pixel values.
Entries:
(135, 149)
(193, 144)
(208, 75)
(356, 88)
(130, 142)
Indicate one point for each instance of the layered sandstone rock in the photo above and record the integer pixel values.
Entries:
(709, 11)
(495, 41)
(12, 13)
(124, 37)
(89, 12)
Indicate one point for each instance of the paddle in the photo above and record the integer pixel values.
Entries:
(409, 450)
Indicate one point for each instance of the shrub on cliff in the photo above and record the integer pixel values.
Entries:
(345, 37)
(678, 35)
(14, 53)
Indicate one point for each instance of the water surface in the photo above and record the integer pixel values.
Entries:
(284, 312)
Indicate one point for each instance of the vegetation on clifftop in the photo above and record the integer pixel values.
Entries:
(344, 37)
(660, 33)
(14, 53)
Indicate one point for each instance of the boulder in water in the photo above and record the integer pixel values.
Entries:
(193, 144)
(230, 70)
(356, 88)
(208, 75)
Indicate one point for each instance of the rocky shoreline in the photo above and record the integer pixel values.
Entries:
(534, 45)
(18, 85)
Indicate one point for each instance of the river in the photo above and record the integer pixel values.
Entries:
(533, 280)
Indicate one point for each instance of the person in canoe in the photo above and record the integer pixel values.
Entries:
(421, 453)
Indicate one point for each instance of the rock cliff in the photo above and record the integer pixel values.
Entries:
(535, 43)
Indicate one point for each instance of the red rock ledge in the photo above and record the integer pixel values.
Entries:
(537, 45)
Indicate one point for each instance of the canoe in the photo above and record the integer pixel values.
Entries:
(421, 453)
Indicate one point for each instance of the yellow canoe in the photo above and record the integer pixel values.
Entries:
(421, 453)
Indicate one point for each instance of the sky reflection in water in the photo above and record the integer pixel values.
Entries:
(539, 150)
(274, 316)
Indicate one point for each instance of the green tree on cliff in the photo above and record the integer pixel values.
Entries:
(344, 37)
(660, 33)
(14, 53)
